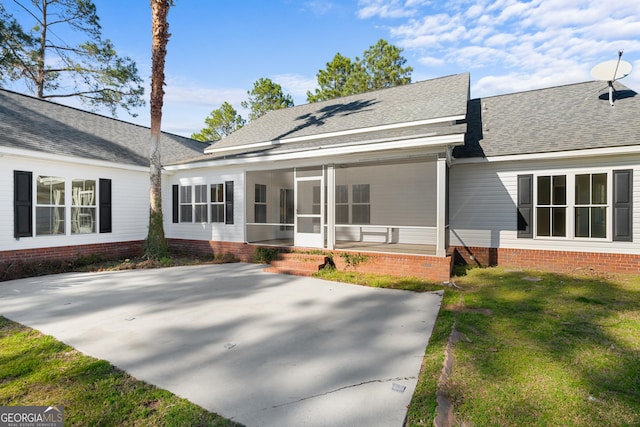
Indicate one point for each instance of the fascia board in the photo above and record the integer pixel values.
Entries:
(213, 150)
(321, 151)
(68, 159)
(592, 152)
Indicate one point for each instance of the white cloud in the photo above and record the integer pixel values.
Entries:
(296, 85)
(387, 8)
(431, 61)
(513, 44)
(201, 95)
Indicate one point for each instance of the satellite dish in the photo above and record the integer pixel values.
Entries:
(610, 71)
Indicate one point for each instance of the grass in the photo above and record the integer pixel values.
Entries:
(537, 349)
(36, 369)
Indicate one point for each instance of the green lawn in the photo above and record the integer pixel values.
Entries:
(534, 349)
(36, 369)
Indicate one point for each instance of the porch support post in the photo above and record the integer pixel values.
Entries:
(331, 207)
(441, 205)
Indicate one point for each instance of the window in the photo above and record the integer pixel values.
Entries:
(190, 203)
(83, 206)
(584, 205)
(217, 202)
(90, 202)
(361, 208)
(551, 210)
(200, 203)
(186, 209)
(50, 208)
(260, 203)
(286, 208)
(342, 204)
(591, 205)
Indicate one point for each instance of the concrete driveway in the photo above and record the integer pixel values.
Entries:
(261, 349)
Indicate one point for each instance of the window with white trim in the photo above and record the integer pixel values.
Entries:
(217, 202)
(576, 206)
(260, 204)
(186, 207)
(50, 208)
(83, 206)
(342, 204)
(360, 204)
(591, 205)
(551, 206)
(200, 203)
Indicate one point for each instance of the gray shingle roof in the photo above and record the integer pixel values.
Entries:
(33, 124)
(429, 99)
(563, 118)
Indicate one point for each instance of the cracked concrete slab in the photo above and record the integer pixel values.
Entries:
(261, 349)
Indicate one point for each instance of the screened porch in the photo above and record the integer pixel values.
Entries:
(389, 206)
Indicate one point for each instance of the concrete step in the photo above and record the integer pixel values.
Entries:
(299, 264)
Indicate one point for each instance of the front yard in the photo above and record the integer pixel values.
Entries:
(529, 348)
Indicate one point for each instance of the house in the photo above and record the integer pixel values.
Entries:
(410, 178)
(75, 183)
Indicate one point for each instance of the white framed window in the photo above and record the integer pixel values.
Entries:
(591, 205)
(551, 206)
(580, 205)
(260, 204)
(360, 204)
(83, 206)
(200, 203)
(50, 205)
(186, 206)
(342, 204)
(217, 202)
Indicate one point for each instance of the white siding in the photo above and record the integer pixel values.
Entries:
(483, 203)
(130, 202)
(205, 231)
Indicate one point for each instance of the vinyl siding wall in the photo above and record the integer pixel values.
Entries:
(483, 204)
(218, 231)
(130, 203)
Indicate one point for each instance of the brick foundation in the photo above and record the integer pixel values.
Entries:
(242, 251)
(117, 250)
(420, 266)
(556, 261)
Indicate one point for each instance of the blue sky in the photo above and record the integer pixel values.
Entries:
(219, 48)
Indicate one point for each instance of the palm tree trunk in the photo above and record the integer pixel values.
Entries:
(156, 244)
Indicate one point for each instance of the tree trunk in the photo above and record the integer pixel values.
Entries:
(156, 244)
(40, 72)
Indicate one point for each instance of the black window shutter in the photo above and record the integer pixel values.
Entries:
(176, 206)
(622, 205)
(228, 202)
(525, 206)
(105, 205)
(22, 204)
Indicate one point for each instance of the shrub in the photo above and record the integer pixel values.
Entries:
(265, 255)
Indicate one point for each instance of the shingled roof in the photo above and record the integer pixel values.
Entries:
(33, 124)
(563, 118)
(355, 115)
